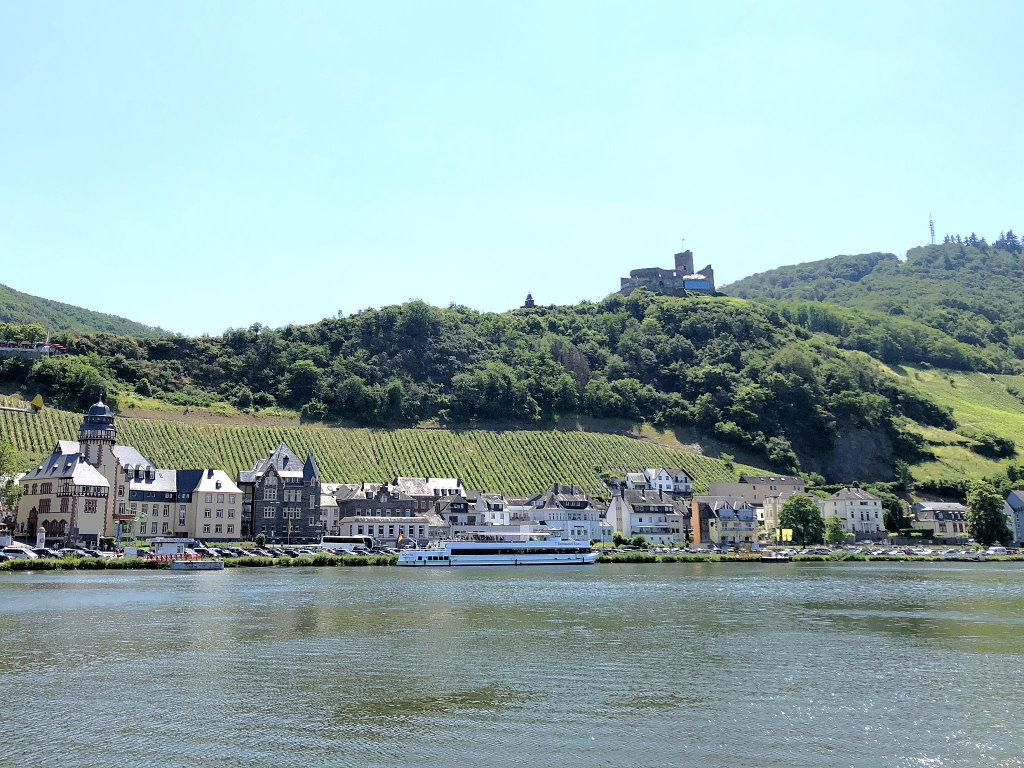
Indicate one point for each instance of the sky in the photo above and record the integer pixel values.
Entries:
(199, 166)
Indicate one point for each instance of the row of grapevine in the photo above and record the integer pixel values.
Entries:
(519, 463)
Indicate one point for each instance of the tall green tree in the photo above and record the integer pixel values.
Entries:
(10, 491)
(834, 531)
(986, 523)
(801, 514)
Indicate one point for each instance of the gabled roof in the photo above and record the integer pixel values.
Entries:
(787, 479)
(281, 459)
(943, 506)
(852, 494)
(129, 456)
(162, 480)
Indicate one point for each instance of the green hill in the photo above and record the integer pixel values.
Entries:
(22, 308)
(969, 291)
(518, 462)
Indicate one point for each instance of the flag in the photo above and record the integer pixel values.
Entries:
(401, 538)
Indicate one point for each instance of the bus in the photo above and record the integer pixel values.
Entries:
(347, 543)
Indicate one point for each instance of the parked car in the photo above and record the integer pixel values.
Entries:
(19, 552)
(45, 552)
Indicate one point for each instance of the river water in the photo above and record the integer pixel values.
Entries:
(707, 664)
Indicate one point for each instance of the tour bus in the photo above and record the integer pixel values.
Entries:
(347, 543)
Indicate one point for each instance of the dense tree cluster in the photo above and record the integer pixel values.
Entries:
(739, 370)
(953, 305)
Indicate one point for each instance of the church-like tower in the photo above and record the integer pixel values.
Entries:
(97, 435)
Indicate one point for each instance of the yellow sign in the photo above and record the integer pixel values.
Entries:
(784, 534)
(37, 403)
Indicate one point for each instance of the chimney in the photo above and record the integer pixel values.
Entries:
(209, 472)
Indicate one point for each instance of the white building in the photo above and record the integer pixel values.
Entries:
(652, 514)
(1013, 508)
(860, 511)
(569, 508)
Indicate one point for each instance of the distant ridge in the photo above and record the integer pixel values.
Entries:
(18, 307)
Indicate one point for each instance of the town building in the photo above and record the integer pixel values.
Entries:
(940, 520)
(860, 512)
(723, 521)
(387, 531)
(756, 488)
(572, 510)
(281, 498)
(673, 282)
(426, 490)
(79, 492)
(655, 515)
(1013, 508)
(668, 480)
(186, 503)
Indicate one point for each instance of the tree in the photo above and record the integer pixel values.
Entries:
(801, 514)
(10, 491)
(619, 540)
(834, 531)
(638, 541)
(261, 539)
(986, 523)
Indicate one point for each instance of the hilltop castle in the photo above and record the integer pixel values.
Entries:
(673, 282)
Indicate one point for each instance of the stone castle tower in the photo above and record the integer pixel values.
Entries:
(684, 263)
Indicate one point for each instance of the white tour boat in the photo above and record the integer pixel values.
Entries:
(534, 548)
(197, 565)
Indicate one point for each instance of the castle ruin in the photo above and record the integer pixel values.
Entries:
(673, 282)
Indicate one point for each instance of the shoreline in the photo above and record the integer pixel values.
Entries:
(356, 561)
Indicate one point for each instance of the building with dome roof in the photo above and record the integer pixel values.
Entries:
(80, 491)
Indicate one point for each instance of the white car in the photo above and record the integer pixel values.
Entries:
(19, 552)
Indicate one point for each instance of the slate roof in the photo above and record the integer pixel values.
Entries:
(62, 466)
(285, 462)
(163, 480)
(940, 506)
(852, 494)
(129, 456)
(787, 479)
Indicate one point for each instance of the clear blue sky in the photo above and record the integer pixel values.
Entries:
(202, 165)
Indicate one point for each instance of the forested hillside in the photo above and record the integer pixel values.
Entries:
(955, 305)
(18, 307)
(741, 372)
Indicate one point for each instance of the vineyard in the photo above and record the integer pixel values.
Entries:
(519, 463)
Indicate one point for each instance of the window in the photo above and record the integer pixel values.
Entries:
(207, 513)
(90, 505)
(312, 521)
(153, 528)
(220, 498)
(231, 513)
(120, 490)
(134, 508)
(270, 493)
(46, 487)
(206, 528)
(209, 498)
(220, 513)
(231, 498)
(218, 529)
(167, 510)
(120, 508)
(231, 528)
(145, 509)
(268, 513)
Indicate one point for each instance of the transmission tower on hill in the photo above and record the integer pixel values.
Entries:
(931, 227)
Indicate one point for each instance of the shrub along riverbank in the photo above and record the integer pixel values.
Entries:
(355, 561)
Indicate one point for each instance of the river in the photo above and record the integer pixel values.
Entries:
(700, 664)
